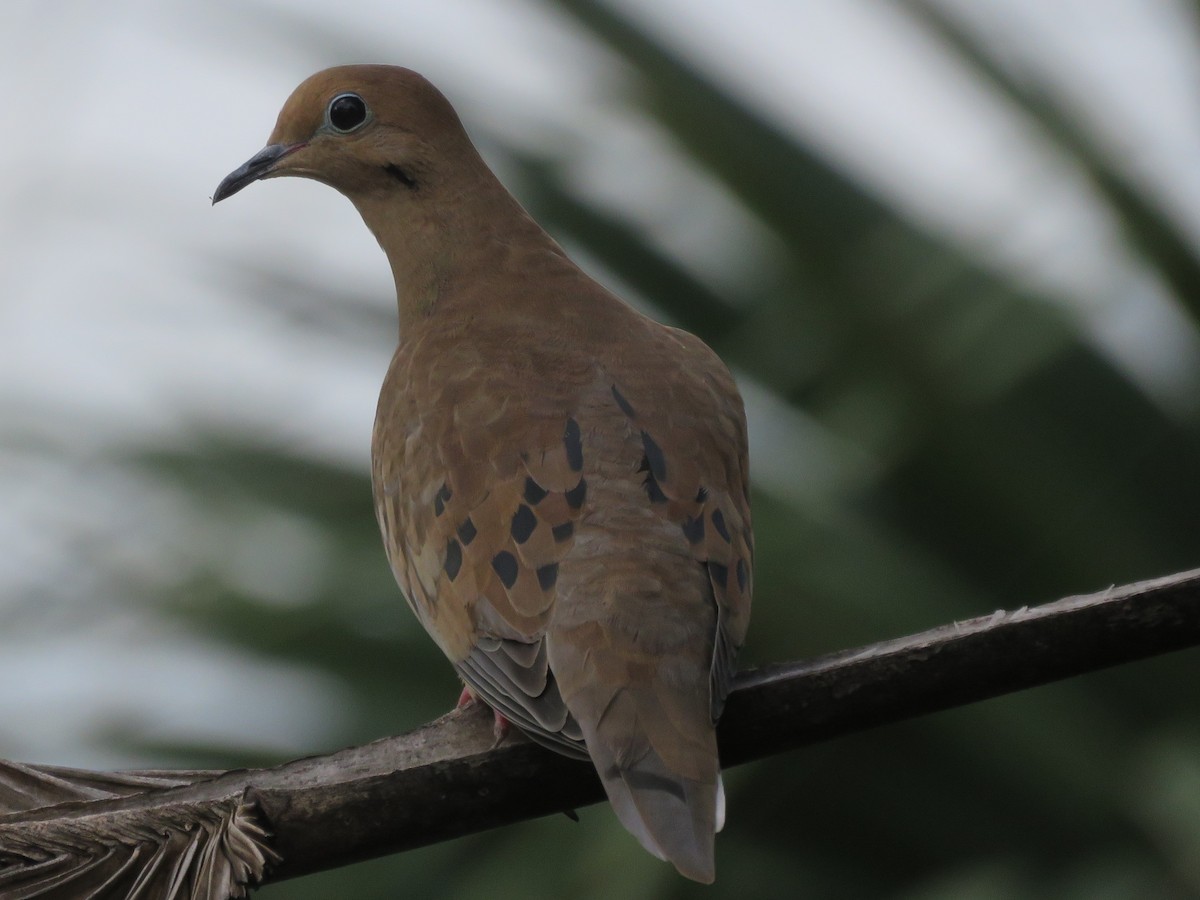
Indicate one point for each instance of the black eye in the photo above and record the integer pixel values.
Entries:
(347, 112)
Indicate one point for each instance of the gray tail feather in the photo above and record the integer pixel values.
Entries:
(673, 817)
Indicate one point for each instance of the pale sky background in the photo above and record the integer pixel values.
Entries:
(121, 325)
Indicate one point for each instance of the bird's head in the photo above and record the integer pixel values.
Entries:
(364, 130)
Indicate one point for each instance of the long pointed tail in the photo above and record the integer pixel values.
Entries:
(672, 817)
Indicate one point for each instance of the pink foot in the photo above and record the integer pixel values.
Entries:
(500, 725)
(500, 729)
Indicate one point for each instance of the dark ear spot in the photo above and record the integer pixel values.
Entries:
(402, 176)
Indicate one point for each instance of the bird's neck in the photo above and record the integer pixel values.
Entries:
(443, 249)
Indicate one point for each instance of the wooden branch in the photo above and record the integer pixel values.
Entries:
(446, 779)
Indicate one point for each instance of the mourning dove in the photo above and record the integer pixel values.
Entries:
(561, 482)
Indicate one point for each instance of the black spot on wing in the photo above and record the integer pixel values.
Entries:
(547, 575)
(742, 574)
(441, 498)
(453, 559)
(576, 495)
(702, 495)
(572, 442)
(563, 531)
(654, 458)
(523, 523)
(653, 491)
(693, 529)
(622, 402)
(467, 531)
(718, 520)
(504, 564)
(534, 492)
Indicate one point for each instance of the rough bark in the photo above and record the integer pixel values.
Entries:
(213, 834)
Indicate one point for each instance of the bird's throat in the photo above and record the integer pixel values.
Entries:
(441, 249)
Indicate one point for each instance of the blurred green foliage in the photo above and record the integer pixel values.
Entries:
(998, 460)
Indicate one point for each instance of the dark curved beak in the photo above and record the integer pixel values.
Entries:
(258, 166)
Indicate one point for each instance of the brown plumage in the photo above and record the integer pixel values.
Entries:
(560, 481)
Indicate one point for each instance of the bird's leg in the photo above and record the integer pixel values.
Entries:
(500, 725)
